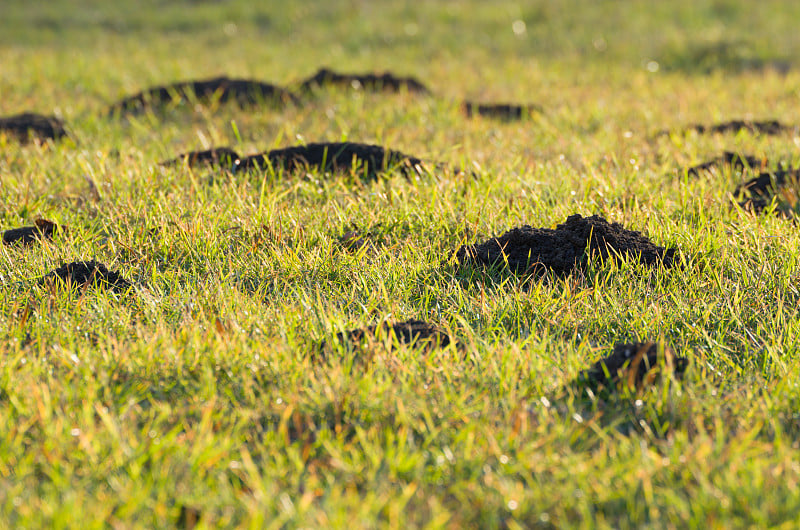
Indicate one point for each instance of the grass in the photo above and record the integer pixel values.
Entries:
(198, 393)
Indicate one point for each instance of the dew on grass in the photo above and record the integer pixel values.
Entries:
(230, 29)
(600, 44)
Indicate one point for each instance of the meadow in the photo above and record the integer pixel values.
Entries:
(198, 398)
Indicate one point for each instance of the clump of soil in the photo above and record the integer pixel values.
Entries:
(81, 273)
(372, 82)
(354, 240)
(27, 235)
(224, 89)
(335, 157)
(416, 333)
(571, 245)
(28, 125)
(768, 127)
(634, 365)
(728, 158)
(757, 193)
(217, 156)
(502, 111)
(189, 517)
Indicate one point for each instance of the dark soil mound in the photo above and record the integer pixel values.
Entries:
(80, 273)
(28, 125)
(417, 333)
(27, 235)
(501, 111)
(728, 158)
(241, 91)
(768, 127)
(218, 156)
(756, 194)
(633, 365)
(354, 240)
(335, 157)
(533, 250)
(371, 81)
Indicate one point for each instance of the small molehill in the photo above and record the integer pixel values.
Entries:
(27, 235)
(217, 156)
(768, 127)
(337, 157)
(87, 273)
(223, 89)
(736, 161)
(415, 333)
(571, 245)
(373, 82)
(757, 193)
(634, 365)
(189, 517)
(354, 240)
(27, 126)
(500, 111)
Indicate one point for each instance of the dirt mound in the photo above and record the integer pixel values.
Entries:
(728, 158)
(372, 82)
(501, 111)
(416, 333)
(338, 157)
(28, 125)
(224, 89)
(27, 235)
(768, 127)
(217, 156)
(757, 193)
(533, 250)
(633, 365)
(354, 240)
(80, 273)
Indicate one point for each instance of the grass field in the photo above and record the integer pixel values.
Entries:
(197, 396)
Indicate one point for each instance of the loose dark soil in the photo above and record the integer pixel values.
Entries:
(756, 194)
(336, 157)
(189, 517)
(218, 156)
(501, 111)
(529, 250)
(768, 127)
(28, 125)
(241, 91)
(80, 273)
(354, 240)
(728, 158)
(633, 365)
(417, 333)
(27, 235)
(372, 82)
